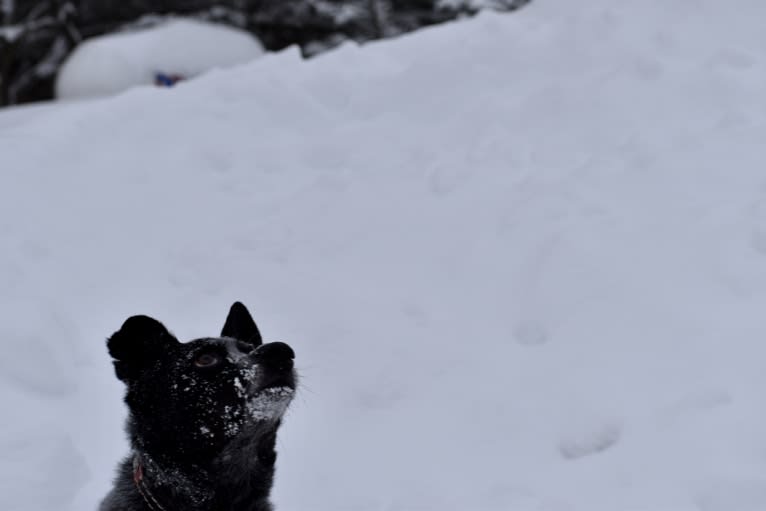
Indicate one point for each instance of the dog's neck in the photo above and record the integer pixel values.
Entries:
(165, 487)
(237, 479)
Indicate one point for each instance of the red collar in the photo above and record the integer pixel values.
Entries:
(143, 489)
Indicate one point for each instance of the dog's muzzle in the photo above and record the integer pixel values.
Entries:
(275, 360)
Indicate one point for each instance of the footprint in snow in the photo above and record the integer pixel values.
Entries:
(530, 333)
(416, 314)
(442, 179)
(758, 234)
(701, 400)
(592, 442)
(732, 59)
(732, 495)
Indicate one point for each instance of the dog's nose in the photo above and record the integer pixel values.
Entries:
(275, 355)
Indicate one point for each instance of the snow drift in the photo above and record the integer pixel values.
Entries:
(183, 47)
(522, 261)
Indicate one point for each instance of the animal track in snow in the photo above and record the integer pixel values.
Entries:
(595, 441)
(698, 401)
(530, 333)
(443, 179)
(758, 233)
(416, 314)
(732, 495)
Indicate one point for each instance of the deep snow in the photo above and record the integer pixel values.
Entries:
(522, 261)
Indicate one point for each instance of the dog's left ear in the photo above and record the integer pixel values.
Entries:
(240, 325)
(138, 344)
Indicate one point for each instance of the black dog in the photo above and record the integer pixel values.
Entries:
(203, 416)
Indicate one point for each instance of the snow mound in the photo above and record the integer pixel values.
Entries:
(521, 259)
(183, 47)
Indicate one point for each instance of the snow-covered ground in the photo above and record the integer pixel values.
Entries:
(522, 260)
(179, 47)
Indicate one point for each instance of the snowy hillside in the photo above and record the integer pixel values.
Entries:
(522, 261)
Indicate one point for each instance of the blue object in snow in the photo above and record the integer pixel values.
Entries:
(166, 80)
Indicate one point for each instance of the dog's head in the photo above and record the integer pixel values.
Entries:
(192, 399)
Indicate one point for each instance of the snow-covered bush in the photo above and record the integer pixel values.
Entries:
(179, 48)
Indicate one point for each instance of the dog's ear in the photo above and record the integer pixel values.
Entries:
(240, 325)
(137, 343)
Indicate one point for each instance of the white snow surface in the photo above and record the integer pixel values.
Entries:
(522, 261)
(113, 63)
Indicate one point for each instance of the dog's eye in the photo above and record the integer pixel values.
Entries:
(207, 360)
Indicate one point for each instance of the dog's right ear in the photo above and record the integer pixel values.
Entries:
(139, 341)
(240, 325)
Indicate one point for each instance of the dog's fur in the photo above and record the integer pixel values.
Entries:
(203, 416)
